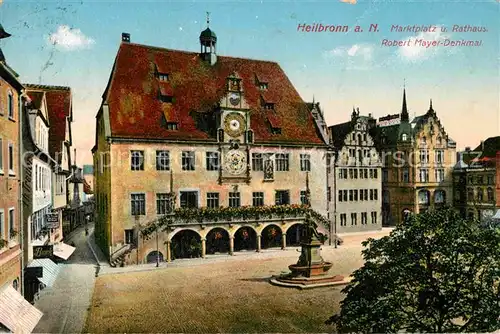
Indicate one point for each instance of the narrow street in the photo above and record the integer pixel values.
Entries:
(65, 305)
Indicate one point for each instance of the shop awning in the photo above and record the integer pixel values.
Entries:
(50, 270)
(16, 313)
(63, 250)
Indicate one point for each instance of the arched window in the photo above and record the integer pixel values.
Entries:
(439, 197)
(470, 194)
(480, 196)
(423, 141)
(10, 104)
(490, 194)
(359, 139)
(404, 137)
(423, 197)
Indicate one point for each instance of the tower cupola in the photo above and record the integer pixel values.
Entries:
(208, 41)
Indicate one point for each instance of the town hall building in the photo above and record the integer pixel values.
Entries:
(197, 153)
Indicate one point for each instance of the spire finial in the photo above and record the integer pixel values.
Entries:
(431, 105)
(313, 99)
(208, 19)
(404, 109)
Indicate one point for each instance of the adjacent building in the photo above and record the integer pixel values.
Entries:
(474, 180)
(356, 176)
(10, 175)
(46, 159)
(187, 130)
(418, 158)
(12, 302)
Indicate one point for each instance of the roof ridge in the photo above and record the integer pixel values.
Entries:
(48, 87)
(195, 53)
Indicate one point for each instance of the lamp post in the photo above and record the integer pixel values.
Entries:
(157, 249)
(137, 240)
(335, 152)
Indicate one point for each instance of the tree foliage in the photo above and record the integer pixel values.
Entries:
(436, 272)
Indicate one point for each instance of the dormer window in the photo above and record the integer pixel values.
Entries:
(166, 98)
(275, 131)
(163, 77)
(172, 126)
(404, 137)
(269, 106)
(263, 86)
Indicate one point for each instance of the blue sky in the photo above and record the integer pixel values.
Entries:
(339, 69)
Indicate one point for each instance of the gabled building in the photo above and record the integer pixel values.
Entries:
(38, 167)
(418, 157)
(45, 173)
(355, 178)
(183, 130)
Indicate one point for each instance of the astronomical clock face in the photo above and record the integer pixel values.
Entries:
(234, 124)
(234, 99)
(235, 162)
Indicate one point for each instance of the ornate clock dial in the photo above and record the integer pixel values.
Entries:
(234, 124)
(234, 99)
(235, 162)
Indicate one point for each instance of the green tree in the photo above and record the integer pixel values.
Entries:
(436, 272)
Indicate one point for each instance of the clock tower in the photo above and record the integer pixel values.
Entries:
(234, 134)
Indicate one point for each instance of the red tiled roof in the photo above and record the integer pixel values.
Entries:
(166, 89)
(273, 119)
(261, 78)
(36, 99)
(59, 107)
(136, 110)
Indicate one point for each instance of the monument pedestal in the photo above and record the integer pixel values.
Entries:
(311, 270)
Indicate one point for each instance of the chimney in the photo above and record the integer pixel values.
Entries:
(467, 149)
(125, 37)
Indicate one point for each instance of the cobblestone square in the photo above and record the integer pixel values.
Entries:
(225, 295)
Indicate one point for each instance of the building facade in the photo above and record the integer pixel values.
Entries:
(356, 176)
(10, 177)
(418, 158)
(16, 314)
(475, 179)
(197, 130)
(37, 172)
